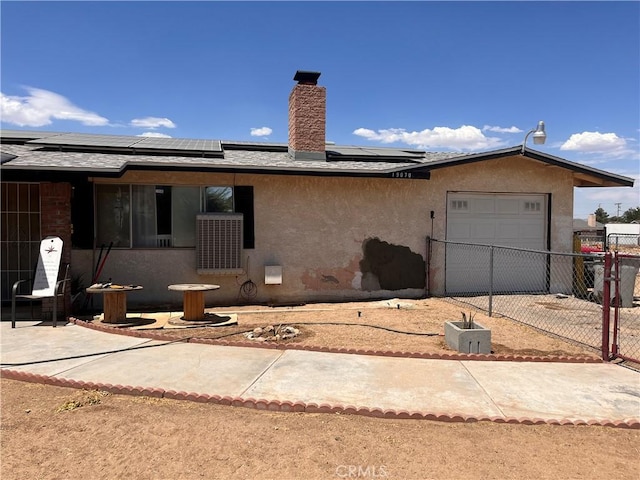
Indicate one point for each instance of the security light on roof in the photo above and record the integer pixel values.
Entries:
(539, 135)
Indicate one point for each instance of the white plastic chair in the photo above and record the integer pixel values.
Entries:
(45, 283)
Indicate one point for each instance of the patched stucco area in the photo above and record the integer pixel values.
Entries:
(390, 267)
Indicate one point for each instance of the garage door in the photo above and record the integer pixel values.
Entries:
(496, 219)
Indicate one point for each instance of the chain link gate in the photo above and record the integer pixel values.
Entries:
(621, 308)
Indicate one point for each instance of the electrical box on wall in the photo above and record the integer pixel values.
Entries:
(273, 274)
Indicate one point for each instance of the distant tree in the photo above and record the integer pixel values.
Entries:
(601, 215)
(631, 215)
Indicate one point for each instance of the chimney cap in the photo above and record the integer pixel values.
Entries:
(306, 78)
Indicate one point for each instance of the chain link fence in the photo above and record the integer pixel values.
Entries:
(620, 242)
(625, 293)
(557, 293)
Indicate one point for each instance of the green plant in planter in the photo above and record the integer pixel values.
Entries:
(467, 324)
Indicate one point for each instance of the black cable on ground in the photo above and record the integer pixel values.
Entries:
(332, 323)
(371, 326)
(85, 355)
(187, 339)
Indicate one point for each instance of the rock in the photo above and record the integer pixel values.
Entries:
(271, 334)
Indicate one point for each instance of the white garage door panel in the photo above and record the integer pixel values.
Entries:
(461, 231)
(507, 230)
(492, 219)
(483, 205)
(531, 232)
(507, 206)
(483, 230)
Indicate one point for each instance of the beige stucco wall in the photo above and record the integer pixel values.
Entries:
(315, 228)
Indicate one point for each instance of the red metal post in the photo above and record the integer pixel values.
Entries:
(616, 304)
(606, 305)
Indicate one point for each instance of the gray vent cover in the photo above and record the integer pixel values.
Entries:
(219, 243)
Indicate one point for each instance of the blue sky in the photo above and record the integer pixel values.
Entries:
(442, 76)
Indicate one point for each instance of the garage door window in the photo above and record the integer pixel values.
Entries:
(532, 207)
(459, 205)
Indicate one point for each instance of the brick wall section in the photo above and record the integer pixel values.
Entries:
(55, 219)
(307, 118)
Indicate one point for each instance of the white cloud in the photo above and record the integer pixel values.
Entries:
(587, 200)
(628, 197)
(513, 129)
(152, 122)
(154, 134)
(41, 107)
(608, 144)
(465, 137)
(261, 132)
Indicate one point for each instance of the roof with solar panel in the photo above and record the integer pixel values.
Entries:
(81, 153)
(125, 143)
(113, 153)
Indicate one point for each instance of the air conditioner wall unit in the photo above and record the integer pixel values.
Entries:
(219, 243)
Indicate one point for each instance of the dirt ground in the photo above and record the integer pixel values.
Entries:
(397, 325)
(60, 433)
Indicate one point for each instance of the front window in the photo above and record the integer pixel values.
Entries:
(150, 216)
(218, 199)
(113, 210)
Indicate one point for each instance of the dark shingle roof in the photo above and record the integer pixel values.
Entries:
(112, 154)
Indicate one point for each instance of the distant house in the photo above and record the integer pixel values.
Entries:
(340, 222)
(589, 227)
(591, 234)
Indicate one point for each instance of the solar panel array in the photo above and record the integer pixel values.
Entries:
(374, 152)
(179, 144)
(87, 140)
(126, 141)
(26, 134)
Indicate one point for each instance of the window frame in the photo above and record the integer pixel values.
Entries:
(245, 205)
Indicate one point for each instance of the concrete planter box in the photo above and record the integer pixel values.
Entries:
(467, 340)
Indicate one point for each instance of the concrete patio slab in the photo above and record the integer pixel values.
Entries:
(387, 383)
(561, 390)
(182, 367)
(47, 350)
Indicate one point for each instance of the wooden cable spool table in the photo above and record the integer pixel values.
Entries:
(115, 301)
(193, 299)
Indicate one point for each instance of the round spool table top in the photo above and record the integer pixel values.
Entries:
(193, 287)
(112, 288)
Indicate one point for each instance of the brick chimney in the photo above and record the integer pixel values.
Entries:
(307, 117)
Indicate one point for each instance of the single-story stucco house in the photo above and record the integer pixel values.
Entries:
(299, 222)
